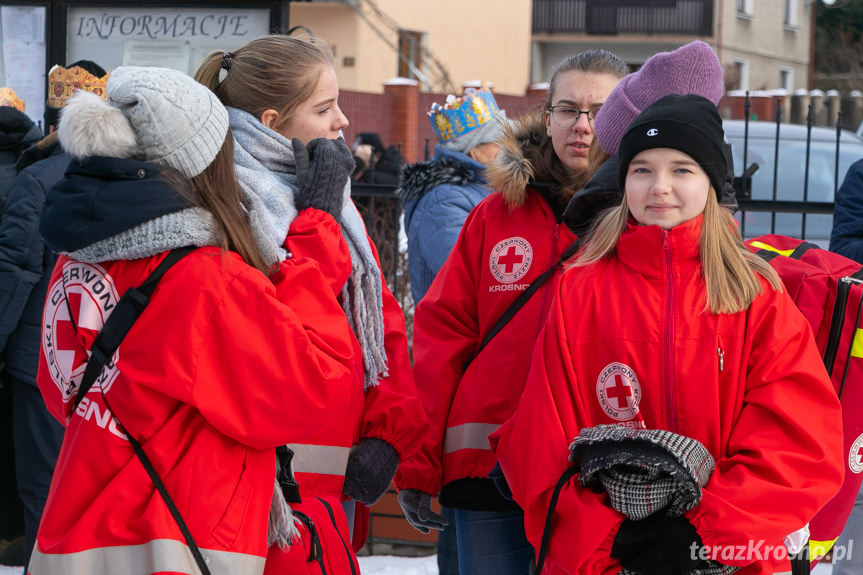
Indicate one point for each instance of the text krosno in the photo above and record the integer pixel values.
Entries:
(758, 551)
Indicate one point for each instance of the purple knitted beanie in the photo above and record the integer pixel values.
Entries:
(691, 69)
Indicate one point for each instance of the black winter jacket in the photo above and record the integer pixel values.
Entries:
(25, 262)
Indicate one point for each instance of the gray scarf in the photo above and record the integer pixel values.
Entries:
(267, 174)
(189, 227)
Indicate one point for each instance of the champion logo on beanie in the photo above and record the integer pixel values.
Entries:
(690, 124)
(693, 68)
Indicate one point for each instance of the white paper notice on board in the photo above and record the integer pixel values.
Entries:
(164, 54)
(23, 23)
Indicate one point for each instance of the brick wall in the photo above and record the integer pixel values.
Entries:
(400, 115)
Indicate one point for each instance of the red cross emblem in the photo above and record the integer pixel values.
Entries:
(88, 293)
(510, 259)
(855, 455)
(618, 391)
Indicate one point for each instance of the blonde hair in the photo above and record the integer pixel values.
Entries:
(270, 72)
(730, 270)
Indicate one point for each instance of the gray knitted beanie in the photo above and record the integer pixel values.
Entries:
(179, 123)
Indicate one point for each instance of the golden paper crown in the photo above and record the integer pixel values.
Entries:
(8, 97)
(62, 83)
(458, 116)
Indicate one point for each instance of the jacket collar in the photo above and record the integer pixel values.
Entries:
(643, 248)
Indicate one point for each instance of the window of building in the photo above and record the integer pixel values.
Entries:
(745, 8)
(791, 13)
(741, 68)
(410, 55)
(786, 79)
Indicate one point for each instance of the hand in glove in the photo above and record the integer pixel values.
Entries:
(323, 169)
(371, 467)
(658, 546)
(417, 508)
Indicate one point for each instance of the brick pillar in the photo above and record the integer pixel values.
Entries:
(405, 113)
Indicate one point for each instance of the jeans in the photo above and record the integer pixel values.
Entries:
(350, 507)
(492, 543)
(849, 561)
(447, 545)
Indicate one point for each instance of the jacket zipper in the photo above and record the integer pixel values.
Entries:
(345, 545)
(669, 333)
(837, 320)
(316, 553)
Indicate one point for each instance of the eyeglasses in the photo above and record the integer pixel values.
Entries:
(567, 116)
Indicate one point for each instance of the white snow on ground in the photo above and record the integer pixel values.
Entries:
(390, 565)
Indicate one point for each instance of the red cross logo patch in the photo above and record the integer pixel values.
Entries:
(88, 293)
(618, 391)
(855, 455)
(510, 259)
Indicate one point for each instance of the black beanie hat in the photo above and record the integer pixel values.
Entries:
(690, 124)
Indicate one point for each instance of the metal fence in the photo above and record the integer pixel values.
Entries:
(801, 198)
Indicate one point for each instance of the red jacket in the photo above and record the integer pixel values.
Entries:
(498, 254)
(390, 411)
(629, 342)
(223, 366)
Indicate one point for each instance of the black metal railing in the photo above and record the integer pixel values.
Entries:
(776, 204)
(693, 17)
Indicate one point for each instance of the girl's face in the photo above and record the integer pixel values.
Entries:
(320, 115)
(665, 187)
(576, 90)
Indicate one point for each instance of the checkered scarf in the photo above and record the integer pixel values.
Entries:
(644, 471)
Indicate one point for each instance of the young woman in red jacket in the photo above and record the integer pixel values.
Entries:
(282, 94)
(508, 241)
(237, 352)
(664, 322)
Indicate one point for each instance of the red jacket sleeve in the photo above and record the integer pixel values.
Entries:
(445, 334)
(392, 410)
(316, 235)
(775, 474)
(533, 450)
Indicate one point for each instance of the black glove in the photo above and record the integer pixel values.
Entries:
(323, 169)
(417, 508)
(371, 467)
(657, 546)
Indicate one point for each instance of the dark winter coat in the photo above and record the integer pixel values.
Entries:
(25, 261)
(847, 235)
(438, 195)
(385, 171)
(17, 133)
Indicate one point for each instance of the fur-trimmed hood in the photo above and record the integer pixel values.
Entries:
(446, 168)
(527, 160)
